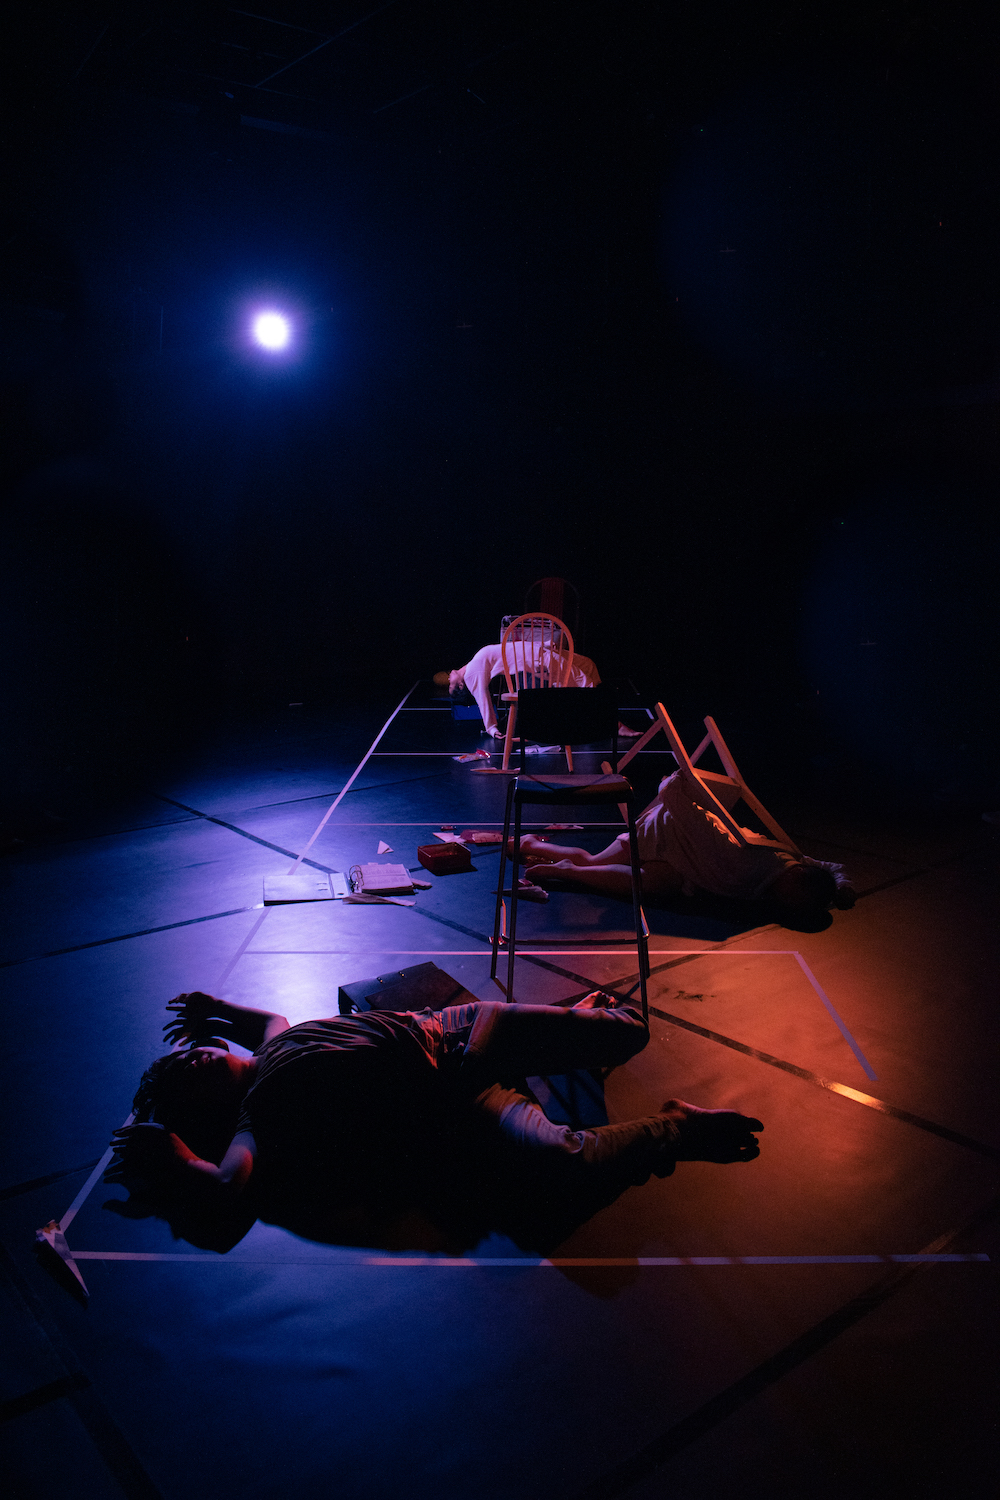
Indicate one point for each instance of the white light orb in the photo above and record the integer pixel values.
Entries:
(271, 330)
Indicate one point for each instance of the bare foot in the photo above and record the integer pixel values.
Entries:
(596, 1000)
(562, 869)
(532, 849)
(719, 1135)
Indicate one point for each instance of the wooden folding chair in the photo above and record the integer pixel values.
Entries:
(722, 791)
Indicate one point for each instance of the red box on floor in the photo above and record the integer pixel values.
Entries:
(444, 859)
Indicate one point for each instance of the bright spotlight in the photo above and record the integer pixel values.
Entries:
(271, 330)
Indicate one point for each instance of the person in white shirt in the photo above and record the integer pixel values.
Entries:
(487, 663)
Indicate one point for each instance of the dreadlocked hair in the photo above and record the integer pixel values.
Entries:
(153, 1085)
(206, 1125)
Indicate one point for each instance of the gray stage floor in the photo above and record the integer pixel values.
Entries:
(821, 1322)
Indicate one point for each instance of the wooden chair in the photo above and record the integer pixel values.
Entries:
(536, 651)
(722, 791)
(572, 716)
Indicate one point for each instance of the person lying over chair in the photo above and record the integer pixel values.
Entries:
(683, 849)
(487, 664)
(341, 1100)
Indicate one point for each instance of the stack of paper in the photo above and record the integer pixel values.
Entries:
(385, 880)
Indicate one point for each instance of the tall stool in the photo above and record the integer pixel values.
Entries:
(567, 717)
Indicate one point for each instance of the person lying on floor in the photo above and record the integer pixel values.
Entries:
(342, 1099)
(684, 848)
(487, 664)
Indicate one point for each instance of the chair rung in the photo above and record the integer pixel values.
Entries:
(577, 781)
(556, 797)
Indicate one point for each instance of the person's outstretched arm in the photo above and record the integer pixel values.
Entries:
(485, 665)
(200, 1020)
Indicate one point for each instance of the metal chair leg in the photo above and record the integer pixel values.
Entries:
(512, 933)
(641, 943)
(503, 868)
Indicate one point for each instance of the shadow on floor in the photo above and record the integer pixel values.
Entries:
(447, 1198)
(707, 918)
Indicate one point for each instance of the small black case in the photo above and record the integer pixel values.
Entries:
(421, 987)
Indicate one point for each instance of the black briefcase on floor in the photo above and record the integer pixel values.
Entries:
(421, 987)
(575, 1099)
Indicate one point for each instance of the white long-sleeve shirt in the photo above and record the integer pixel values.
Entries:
(488, 663)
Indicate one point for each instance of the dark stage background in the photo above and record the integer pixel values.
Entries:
(695, 305)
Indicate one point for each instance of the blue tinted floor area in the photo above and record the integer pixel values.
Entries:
(820, 1321)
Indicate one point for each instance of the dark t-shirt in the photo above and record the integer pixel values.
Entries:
(339, 1079)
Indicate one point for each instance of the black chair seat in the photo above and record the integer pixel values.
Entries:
(575, 787)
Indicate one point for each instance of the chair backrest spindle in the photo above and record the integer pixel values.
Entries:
(536, 651)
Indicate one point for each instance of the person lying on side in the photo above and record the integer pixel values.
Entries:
(333, 1103)
(685, 848)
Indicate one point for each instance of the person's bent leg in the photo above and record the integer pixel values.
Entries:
(609, 880)
(509, 1042)
(616, 1155)
(620, 1155)
(536, 850)
(491, 1045)
(658, 877)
